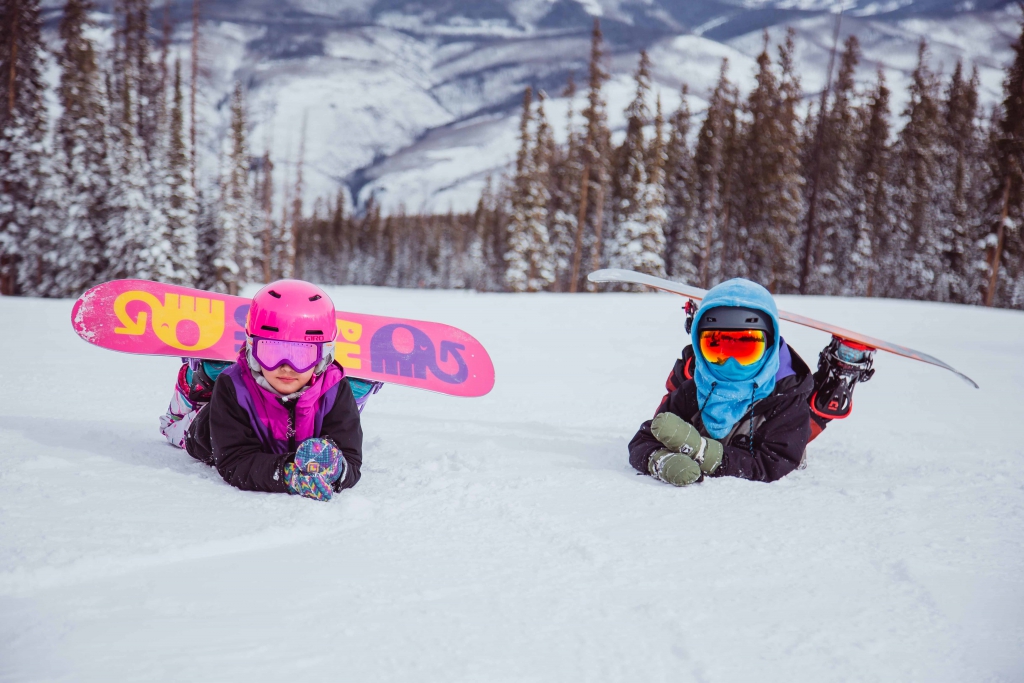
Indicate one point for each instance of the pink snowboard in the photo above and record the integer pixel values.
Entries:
(138, 316)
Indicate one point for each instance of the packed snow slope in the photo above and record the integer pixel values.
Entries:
(506, 538)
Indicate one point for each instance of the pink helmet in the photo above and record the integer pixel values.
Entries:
(292, 310)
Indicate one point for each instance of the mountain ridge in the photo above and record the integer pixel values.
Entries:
(420, 89)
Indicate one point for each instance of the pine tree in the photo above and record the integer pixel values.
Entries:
(787, 210)
(182, 208)
(653, 198)
(829, 243)
(870, 222)
(764, 247)
(1005, 242)
(278, 241)
(716, 158)
(475, 259)
(267, 232)
(964, 180)
(543, 161)
(338, 237)
(910, 269)
(206, 236)
(81, 156)
(528, 257)
(682, 242)
(492, 222)
(22, 135)
(285, 248)
(136, 236)
(593, 177)
(637, 239)
(566, 168)
(237, 217)
(135, 57)
(370, 243)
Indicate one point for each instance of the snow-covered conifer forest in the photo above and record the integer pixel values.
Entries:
(829, 190)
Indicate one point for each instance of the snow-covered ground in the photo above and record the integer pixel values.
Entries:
(506, 538)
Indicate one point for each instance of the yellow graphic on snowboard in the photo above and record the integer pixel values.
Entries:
(207, 314)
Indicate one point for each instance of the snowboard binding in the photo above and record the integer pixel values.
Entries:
(201, 377)
(841, 365)
(690, 309)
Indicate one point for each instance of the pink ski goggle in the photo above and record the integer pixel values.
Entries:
(300, 356)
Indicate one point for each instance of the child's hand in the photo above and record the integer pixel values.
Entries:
(679, 436)
(675, 433)
(321, 457)
(673, 468)
(314, 486)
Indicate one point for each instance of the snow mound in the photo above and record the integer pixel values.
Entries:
(507, 538)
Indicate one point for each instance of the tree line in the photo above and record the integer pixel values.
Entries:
(836, 201)
(109, 188)
(832, 201)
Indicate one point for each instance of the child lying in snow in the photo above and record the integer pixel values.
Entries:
(744, 404)
(283, 418)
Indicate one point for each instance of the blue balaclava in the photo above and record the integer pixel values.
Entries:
(727, 391)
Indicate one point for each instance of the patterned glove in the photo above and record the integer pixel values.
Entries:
(318, 464)
(679, 436)
(320, 456)
(314, 486)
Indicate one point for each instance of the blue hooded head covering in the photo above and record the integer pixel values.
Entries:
(726, 391)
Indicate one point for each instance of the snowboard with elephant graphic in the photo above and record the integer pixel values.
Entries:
(150, 318)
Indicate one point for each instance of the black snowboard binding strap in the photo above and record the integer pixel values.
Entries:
(841, 365)
(200, 388)
(690, 308)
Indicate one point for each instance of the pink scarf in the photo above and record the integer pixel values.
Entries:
(274, 416)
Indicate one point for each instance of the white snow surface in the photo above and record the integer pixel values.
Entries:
(506, 538)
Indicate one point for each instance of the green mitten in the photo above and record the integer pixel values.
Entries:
(673, 468)
(678, 435)
(675, 433)
(712, 456)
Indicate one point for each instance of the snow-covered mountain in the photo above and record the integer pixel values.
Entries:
(416, 101)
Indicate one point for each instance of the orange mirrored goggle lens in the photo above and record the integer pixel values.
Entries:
(746, 346)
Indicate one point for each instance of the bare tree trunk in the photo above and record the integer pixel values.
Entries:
(993, 278)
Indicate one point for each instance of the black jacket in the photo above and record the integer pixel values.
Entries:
(781, 425)
(222, 436)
